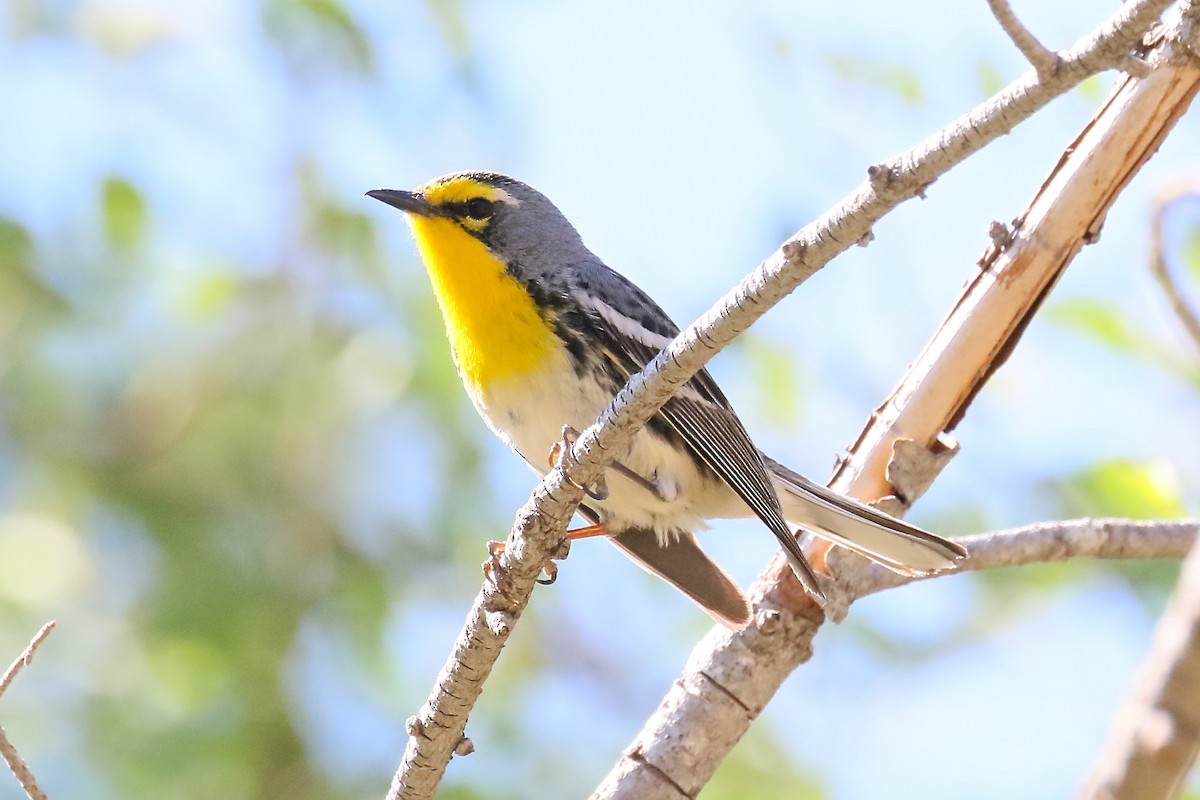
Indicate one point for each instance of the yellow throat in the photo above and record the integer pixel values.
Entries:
(494, 328)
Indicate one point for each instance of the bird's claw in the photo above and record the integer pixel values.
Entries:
(493, 572)
(551, 570)
(561, 455)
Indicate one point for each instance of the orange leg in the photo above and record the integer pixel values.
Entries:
(586, 532)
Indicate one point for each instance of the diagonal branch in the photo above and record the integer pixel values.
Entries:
(7, 751)
(439, 726)
(26, 656)
(1043, 59)
(1172, 195)
(731, 676)
(1156, 735)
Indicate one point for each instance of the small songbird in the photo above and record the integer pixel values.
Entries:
(544, 335)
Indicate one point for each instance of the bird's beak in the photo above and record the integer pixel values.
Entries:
(408, 202)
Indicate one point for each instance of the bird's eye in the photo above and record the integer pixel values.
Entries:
(479, 208)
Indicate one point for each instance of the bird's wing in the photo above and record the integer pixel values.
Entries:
(698, 413)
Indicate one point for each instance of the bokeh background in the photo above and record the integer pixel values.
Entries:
(237, 467)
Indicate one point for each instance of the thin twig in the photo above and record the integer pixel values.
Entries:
(1048, 542)
(26, 657)
(1043, 59)
(1171, 196)
(440, 724)
(7, 751)
(1154, 739)
(19, 768)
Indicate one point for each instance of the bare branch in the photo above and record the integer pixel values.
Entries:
(638, 774)
(1169, 197)
(19, 768)
(538, 529)
(7, 751)
(1044, 60)
(1048, 542)
(1156, 735)
(26, 657)
(731, 676)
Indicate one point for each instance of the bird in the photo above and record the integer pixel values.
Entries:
(544, 334)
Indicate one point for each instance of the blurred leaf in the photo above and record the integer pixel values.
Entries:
(1108, 325)
(190, 669)
(124, 213)
(1190, 251)
(760, 761)
(1099, 321)
(898, 79)
(363, 599)
(345, 232)
(318, 34)
(1146, 490)
(1027, 581)
(991, 80)
(775, 374)
(126, 29)
(16, 246)
(1153, 581)
(452, 24)
(27, 303)
(1093, 88)
(213, 294)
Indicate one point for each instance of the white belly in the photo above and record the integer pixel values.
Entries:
(684, 496)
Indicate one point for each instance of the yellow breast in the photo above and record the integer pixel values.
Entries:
(494, 327)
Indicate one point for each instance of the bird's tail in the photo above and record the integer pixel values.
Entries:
(901, 547)
(682, 563)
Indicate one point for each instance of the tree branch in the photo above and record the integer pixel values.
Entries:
(731, 676)
(7, 751)
(1170, 196)
(1049, 542)
(1156, 735)
(1043, 59)
(438, 728)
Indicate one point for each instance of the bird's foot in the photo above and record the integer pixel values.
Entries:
(493, 572)
(561, 455)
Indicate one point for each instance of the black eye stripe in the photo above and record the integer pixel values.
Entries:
(477, 208)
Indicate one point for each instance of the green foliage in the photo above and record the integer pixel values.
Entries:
(318, 34)
(1116, 488)
(1190, 252)
(124, 213)
(758, 761)
(991, 79)
(1146, 490)
(899, 80)
(1094, 89)
(1100, 321)
(775, 373)
(1113, 329)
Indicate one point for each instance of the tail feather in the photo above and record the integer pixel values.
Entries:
(685, 566)
(901, 547)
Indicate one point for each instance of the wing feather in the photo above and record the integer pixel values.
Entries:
(699, 414)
